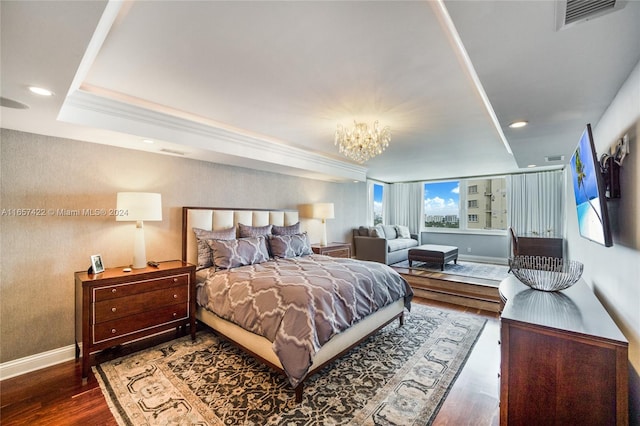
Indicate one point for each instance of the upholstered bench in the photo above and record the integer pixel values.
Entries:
(431, 253)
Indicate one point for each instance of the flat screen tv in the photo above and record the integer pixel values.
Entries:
(588, 188)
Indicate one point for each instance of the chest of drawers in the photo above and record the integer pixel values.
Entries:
(116, 307)
(563, 359)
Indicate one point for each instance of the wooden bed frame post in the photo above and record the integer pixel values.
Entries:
(299, 389)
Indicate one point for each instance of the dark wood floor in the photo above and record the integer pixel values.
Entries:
(56, 395)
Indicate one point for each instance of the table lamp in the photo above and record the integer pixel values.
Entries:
(322, 211)
(138, 207)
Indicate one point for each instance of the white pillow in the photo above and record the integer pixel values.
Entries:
(403, 231)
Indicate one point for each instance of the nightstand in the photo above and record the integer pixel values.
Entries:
(333, 249)
(115, 307)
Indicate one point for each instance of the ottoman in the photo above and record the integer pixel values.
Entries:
(431, 253)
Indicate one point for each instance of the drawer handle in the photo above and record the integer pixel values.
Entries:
(175, 280)
(175, 296)
(113, 331)
(113, 290)
(113, 309)
(175, 314)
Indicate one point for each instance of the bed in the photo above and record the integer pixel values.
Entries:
(361, 297)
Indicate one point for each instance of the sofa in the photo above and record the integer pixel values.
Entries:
(386, 244)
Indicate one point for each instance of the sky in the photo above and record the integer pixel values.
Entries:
(377, 198)
(442, 198)
(377, 193)
(589, 190)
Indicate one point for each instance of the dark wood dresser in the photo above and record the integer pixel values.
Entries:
(563, 359)
(115, 307)
(540, 246)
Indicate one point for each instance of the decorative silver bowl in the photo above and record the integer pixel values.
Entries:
(546, 273)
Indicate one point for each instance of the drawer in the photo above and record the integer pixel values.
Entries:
(135, 287)
(139, 322)
(343, 252)
(111, 309)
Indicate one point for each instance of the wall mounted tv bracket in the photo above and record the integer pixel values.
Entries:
(610, 166)
(620, 149)
(611, 173)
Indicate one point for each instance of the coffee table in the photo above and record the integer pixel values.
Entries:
(432, 253)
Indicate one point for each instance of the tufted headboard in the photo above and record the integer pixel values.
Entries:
(213, 218)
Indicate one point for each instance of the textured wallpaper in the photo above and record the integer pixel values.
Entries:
(54, 195)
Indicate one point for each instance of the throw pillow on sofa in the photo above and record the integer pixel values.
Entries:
(390, 232)
(403, 231)
(376, 232)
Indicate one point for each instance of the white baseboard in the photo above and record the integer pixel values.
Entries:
(47, 359)
(36, 362)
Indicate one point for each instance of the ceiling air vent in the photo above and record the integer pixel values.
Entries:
(554, 158)
(570, 12)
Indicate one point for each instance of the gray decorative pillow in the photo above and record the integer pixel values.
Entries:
(403, 231)
(204, 251)
(390, 232)
(253, 231)
(286, 230)
(244, 251)
(286, 246)
(377, 232)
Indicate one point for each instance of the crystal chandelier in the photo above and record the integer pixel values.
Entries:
(361, 143)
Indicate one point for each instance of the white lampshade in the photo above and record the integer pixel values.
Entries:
(138, 207)
(322, 211)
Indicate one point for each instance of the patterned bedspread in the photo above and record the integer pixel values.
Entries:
(300, 303)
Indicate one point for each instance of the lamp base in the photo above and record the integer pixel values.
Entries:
(323, 240)
(139, 252)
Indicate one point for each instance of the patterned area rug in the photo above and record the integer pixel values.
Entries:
(399, 376)
(467, 269)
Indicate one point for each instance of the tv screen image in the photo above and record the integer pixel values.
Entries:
(588, 188)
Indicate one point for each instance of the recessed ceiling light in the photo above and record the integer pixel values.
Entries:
(40, 91)
(147, 141)
(518, 124)
(531, 166)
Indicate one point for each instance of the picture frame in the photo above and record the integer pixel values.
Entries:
(96, 264)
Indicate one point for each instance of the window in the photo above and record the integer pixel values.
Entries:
(442, 204)
(466, 204)
(378, 191)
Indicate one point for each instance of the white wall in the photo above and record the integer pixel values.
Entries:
(614, 273)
